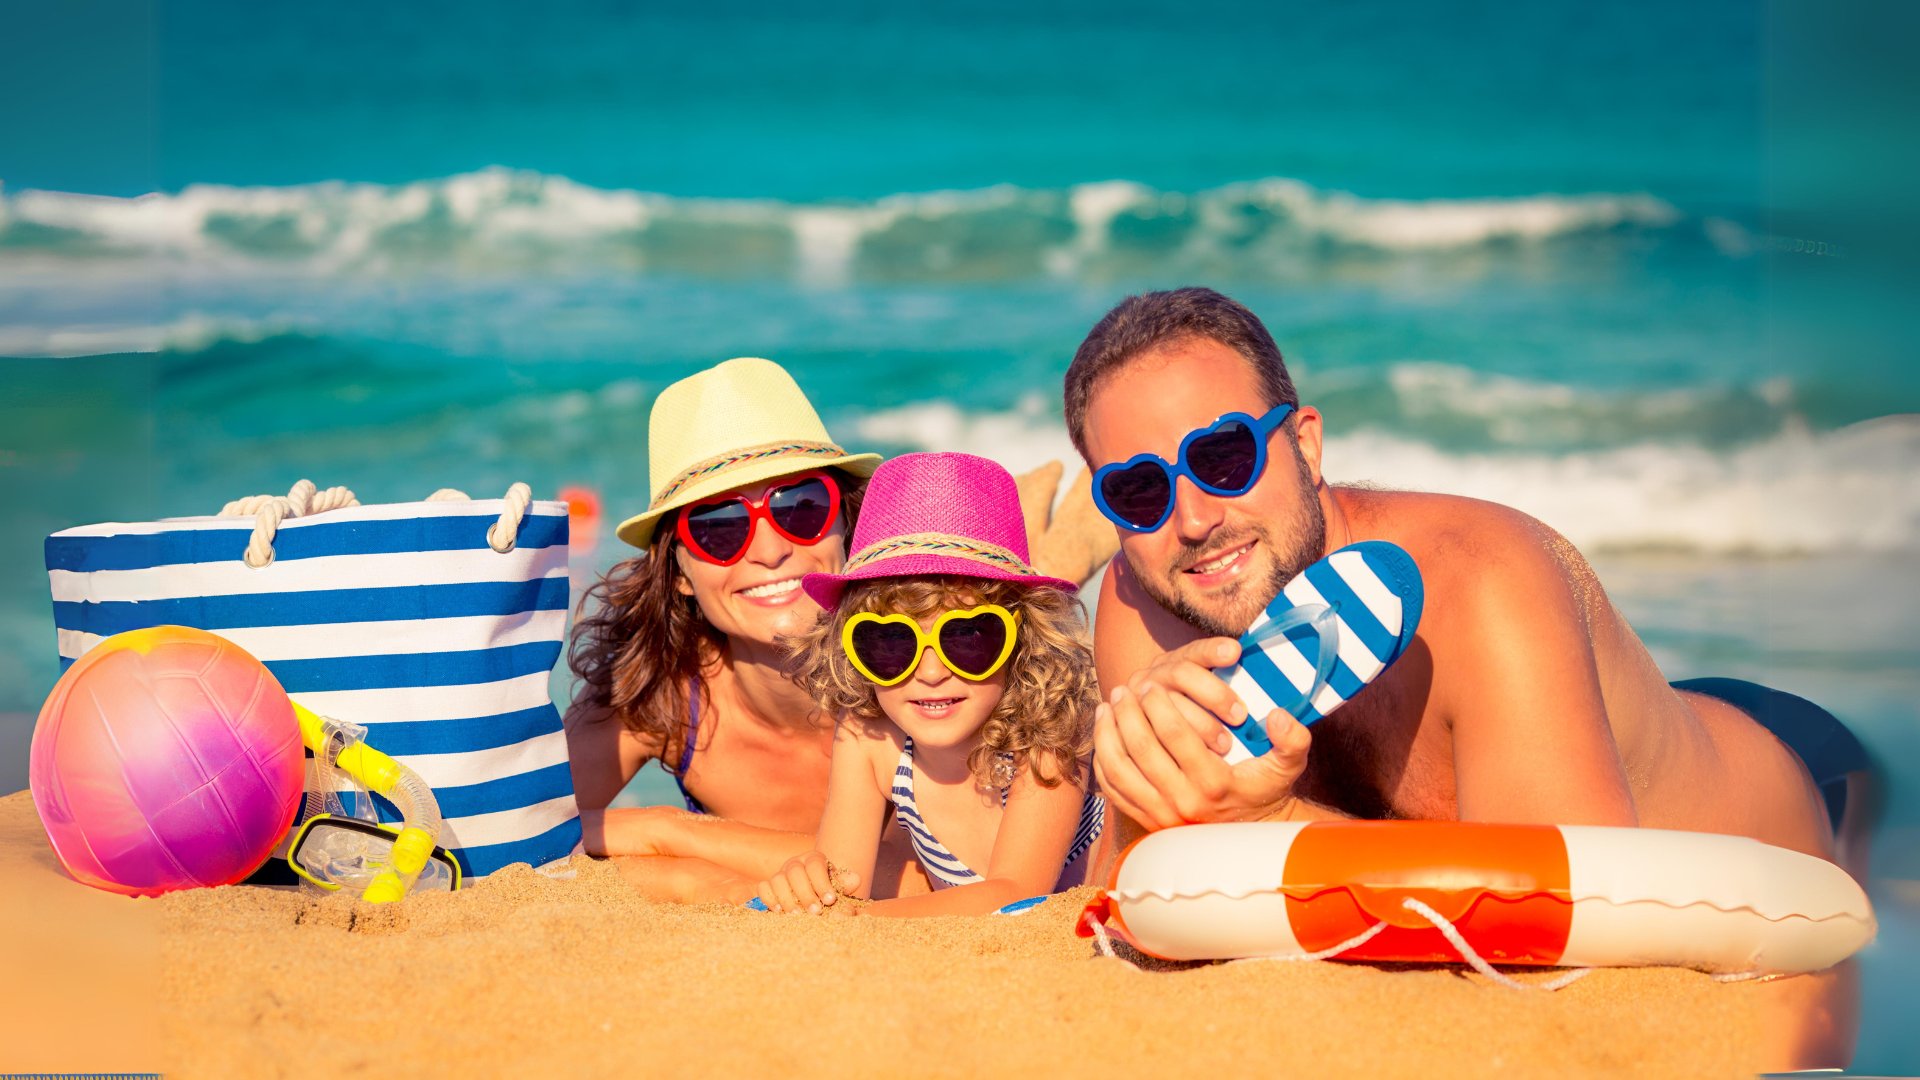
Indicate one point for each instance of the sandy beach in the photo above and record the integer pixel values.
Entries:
(575, 975)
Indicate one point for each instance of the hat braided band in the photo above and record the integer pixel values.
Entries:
(940, 544)
(732, 458)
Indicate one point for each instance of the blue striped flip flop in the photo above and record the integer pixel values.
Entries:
(1331, 631)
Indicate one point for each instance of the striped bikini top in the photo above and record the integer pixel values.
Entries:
(946, 868)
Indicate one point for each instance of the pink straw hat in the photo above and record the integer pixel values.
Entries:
(936, 514)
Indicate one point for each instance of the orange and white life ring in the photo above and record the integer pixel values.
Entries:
(1574, 896)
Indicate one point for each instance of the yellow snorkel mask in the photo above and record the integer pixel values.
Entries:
(334, 850)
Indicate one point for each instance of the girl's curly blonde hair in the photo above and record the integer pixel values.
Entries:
(1045, 718)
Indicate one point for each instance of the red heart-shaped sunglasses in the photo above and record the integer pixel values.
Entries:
(719, 530)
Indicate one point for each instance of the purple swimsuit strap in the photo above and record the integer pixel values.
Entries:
(686, 752)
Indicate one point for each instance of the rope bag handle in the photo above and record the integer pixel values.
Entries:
(306, 499)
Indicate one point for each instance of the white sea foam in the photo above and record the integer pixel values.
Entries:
(1022, 439)
(188, 333)
(1407, 225)
(498, 217)
(1854, 489)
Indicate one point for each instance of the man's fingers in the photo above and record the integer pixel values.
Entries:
(1283, 764)
(1142, 743)
(1120, 777)
(1188, 671)
(1200, 769)
(1116, 797)
(1121, 803)
(1204, 724)
(1198, 682)
(1289, 736)
(1209, 652)
(1119, 770)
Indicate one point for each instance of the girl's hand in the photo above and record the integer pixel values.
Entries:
(807, 884)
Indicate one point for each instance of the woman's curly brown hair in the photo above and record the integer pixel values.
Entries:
(638, 643)
(1045, 718)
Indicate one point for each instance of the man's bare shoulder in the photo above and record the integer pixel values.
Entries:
(1130, 627)
(1465, 547)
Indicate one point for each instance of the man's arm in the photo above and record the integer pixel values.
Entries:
(1130, 629)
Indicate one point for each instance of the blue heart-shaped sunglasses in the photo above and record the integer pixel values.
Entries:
(1224, 458)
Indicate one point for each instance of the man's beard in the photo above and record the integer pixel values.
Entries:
(1296, 545)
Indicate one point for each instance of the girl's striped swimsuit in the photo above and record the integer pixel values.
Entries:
(942, 865)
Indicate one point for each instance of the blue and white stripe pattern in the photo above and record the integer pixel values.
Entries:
(943, 866)
(399, 617)
(1370, 597)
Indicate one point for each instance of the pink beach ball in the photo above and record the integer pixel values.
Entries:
(166, 758)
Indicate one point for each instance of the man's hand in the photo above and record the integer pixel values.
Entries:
(1158, 745)
(808, 883)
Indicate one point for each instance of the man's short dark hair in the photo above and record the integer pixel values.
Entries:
(1140, 323)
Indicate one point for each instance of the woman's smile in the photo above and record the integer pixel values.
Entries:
(777, 593)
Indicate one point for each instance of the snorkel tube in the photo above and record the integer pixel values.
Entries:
(338, 744)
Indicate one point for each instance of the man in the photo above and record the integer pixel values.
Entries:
(1524, 698)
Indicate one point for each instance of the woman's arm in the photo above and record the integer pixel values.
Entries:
(1036, 832)
(603, 755)
(654, 831)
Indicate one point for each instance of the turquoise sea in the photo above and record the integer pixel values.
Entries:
(1610, 264)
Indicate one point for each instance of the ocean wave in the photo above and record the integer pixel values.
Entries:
(1457, 408)
(1798, 492)
(504, 220)
(191, 332)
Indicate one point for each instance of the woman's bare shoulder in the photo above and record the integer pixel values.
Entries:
(597, 724)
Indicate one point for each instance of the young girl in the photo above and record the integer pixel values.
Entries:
(965, 693)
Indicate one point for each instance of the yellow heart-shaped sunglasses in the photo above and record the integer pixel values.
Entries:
(973, 643)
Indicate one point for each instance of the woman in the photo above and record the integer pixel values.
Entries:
(679, 660)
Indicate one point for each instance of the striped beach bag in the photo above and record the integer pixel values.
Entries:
(434, 624)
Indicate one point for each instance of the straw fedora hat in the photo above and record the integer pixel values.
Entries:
(738, 423)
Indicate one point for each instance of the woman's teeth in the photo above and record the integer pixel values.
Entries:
(771, 589)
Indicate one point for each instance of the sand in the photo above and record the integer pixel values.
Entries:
(576, 976)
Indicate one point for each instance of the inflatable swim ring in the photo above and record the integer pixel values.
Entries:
(1574, 896)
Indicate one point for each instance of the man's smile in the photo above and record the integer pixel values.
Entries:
(1216, 569)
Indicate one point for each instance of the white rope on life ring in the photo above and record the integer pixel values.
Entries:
(1104, 943)
(306, 499)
